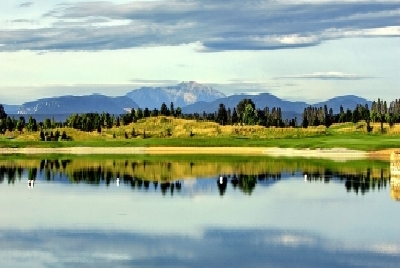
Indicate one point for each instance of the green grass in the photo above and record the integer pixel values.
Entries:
(346, 135)
(366, 142)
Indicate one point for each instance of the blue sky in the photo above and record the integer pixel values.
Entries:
(297, 50)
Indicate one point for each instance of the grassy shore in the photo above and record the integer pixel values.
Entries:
(349, 141)
(167, 132)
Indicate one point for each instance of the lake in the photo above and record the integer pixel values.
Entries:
(197, 211)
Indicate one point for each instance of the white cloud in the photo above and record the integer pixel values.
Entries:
(321, 48)
(26, 4)
(327, 76)
(217, 25)
(387, 249)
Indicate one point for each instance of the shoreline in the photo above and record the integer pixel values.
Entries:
(334, 153)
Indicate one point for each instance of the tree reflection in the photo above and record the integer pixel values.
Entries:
(234, 181)
(146, 185)
(357, 183)
(164, 187)
(166, 176)
(247, 183)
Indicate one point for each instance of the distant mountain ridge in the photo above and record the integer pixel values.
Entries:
(347, 101)
(78, 104)
(262, 100)
(268, 100)
(190, 96)
(11, 109)
(181, 95)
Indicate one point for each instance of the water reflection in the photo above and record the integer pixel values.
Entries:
(252, 248)
(240, 212)
(357, 183)
(395, 188)
(168, 177)
(395, 176)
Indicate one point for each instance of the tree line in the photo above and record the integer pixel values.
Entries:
(379, 112)
(362, 182)
(245, 113)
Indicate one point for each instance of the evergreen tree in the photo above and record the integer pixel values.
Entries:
(3, 120)
(10, 122)
(305, 119)
(355, 117)
(20, 124)
(171, 109)
(178, 112)
(154, 112)
(117, 123)
(146, 112)
(139, 113)
(341, 115)
(3, 114)
(164, 109)
(222, 116)
(57, 135)
(235, 118)
(42, 137)
(47, 123)
(133, 114)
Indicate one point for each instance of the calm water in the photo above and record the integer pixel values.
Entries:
(174, 212)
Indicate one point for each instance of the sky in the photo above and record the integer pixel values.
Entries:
(310, 50)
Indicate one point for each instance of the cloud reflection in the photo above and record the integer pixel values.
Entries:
(217, 247)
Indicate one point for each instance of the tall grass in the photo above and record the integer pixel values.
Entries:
(167, 131)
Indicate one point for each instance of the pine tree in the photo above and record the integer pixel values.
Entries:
(3, 114)
(222, 116)
(171, 109)
(164, 109)
(235, 117)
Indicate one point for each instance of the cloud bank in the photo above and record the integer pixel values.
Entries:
(215, 25)
(327, 76)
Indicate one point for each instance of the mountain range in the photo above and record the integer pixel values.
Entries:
(78, 104)
(183, 94)
(190, 96)
(268, 100)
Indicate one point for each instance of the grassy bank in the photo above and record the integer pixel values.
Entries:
(162, 131)
(350, 141)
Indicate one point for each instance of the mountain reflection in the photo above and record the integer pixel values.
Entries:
(190, 176)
